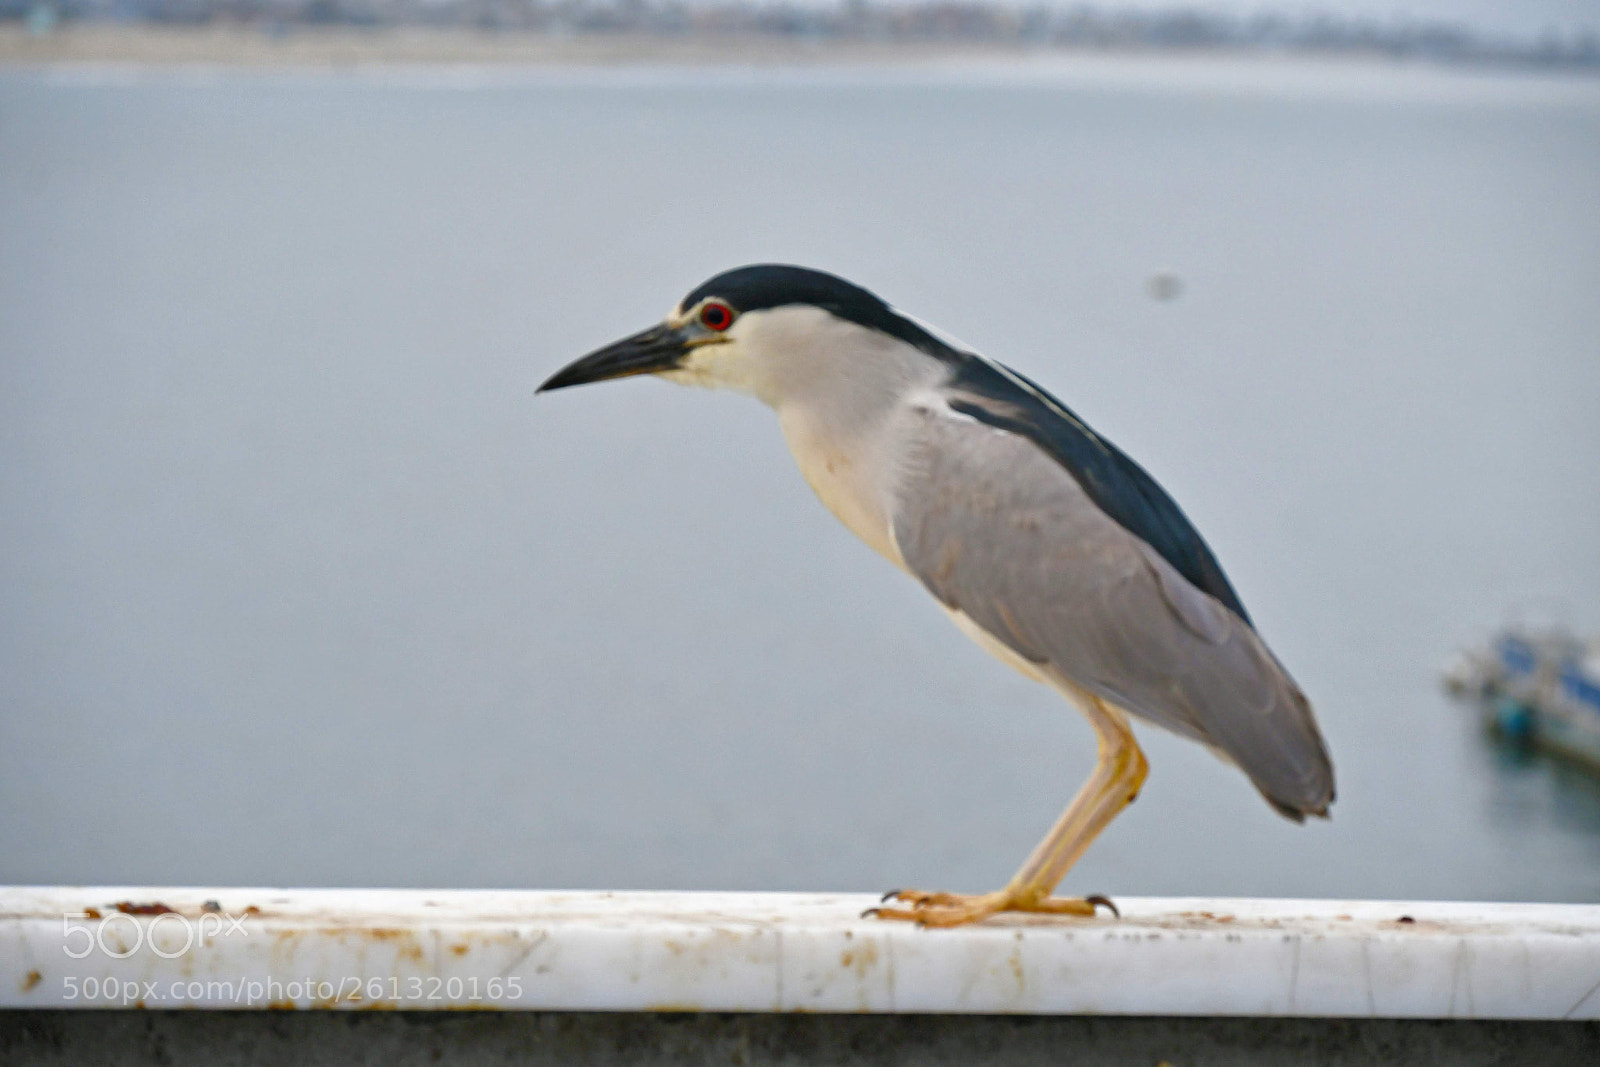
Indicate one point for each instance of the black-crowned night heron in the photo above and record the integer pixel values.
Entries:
(1045, 543)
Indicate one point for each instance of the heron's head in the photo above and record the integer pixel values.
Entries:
(770, 330)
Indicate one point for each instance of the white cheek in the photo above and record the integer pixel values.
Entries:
(713, 366)
(731, 364)
(693, 371)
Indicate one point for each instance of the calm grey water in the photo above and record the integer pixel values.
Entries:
(299, 584)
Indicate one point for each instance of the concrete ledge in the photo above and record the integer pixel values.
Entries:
(155, 948)
(597, 1039)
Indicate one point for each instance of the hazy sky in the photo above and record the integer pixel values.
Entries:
(1507, 16)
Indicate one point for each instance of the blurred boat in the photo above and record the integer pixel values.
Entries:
(1536, 687)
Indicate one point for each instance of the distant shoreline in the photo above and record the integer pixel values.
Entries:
(335, 46)
(343, 46)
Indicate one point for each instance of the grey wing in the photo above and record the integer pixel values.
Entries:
(1001, 532)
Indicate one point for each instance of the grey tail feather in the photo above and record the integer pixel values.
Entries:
(1318, 800)
(1294, 814)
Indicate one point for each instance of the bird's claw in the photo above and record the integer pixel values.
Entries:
(1100, 900)
(919, 898)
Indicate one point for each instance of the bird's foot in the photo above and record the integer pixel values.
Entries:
(955, 909)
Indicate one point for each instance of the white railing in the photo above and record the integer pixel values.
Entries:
(122, 947)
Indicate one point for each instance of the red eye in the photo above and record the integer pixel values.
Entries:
(715, 316)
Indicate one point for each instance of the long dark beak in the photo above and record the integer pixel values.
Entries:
(657, 349)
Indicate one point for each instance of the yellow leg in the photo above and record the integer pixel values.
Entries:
(1118, 773)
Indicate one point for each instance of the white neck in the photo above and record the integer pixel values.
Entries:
(835, 386)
